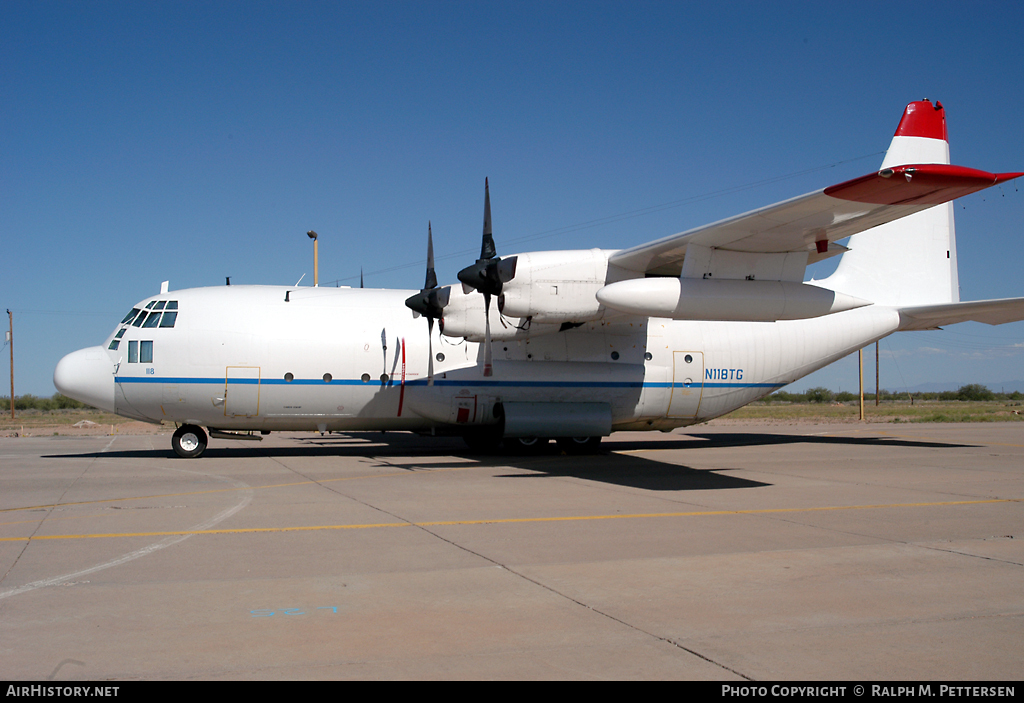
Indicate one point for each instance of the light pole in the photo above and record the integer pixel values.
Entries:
(10, 341)
(316, 276)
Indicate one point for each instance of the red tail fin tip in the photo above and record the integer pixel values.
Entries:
(922, 119)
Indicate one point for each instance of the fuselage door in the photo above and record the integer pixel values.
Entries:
(687, 383)
(242, 391)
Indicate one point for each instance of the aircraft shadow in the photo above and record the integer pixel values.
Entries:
(605, 467)
(615, 464)
(756, 439)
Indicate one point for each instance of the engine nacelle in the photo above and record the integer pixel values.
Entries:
(699, 299)
(464, 317)
(554, 287)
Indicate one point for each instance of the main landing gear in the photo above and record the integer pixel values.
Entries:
(490, 442)
(189, 441)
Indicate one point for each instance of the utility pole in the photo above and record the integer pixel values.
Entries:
(860, 364)
(10, 343)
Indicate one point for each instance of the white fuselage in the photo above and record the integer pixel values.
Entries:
(244, 358)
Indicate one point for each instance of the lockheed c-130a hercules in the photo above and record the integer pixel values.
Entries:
(654, 337)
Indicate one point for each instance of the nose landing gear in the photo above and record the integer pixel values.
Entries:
(189, 441)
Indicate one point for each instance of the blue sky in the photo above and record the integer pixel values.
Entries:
(142, 142)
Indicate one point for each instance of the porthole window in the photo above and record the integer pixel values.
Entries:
(648, 356)
(383, 378)
(289, 377)
(440, 356)
(328, 378)
(365, 378)
(688, 359)
(615, 356)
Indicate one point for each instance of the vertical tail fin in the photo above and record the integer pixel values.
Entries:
(911, 261)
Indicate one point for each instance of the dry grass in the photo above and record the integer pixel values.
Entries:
(900, 411)
(62, 422)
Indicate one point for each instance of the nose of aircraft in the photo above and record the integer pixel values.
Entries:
(87, 375)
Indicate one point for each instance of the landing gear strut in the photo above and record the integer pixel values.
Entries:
(189, 441)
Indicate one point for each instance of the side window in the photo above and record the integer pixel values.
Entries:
(114, 344)
(145, 352)
(133, 352)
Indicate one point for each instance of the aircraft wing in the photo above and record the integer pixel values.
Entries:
(991, 312)
(810, 223)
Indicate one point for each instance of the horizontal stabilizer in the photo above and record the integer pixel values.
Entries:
(991, 312)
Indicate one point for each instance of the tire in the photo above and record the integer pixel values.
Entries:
(526, 445)
(579, 445)
(189, 441)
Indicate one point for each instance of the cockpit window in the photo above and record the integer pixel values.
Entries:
(140, 318)
(120, 332)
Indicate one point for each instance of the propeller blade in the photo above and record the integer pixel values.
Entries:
(507, 269)
(430, 302)
(431, 281)
(488, 366)
(487, 250)
(430, 351)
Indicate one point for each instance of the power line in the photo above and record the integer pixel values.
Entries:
(629, 214)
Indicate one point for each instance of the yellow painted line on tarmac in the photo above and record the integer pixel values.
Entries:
(506, 521)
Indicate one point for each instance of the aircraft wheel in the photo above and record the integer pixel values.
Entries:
(579, 445)
(189, 441)
(526, 445)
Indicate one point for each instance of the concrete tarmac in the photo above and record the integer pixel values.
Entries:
(735, 552)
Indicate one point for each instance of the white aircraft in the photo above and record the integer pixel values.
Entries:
(662, 335)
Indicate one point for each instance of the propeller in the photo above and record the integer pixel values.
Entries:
(488, 275)
(430, 302)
